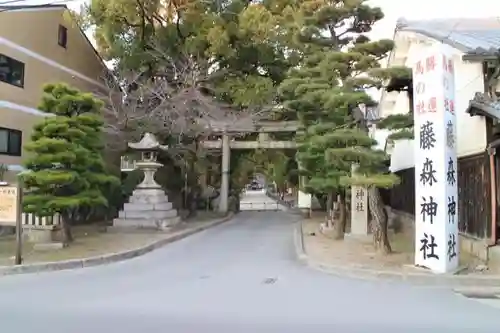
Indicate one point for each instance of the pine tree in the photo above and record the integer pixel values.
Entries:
(331, 141)
(399, 125)
(229, 51)
(340, 64)
(235, 40)
(66, 171)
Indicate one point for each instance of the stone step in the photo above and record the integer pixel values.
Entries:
(152, 214)
(141, 199)
(120, 223)
(148, 192)
(138, 207)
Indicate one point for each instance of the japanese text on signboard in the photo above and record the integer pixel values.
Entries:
(8, 205)
(435, 161)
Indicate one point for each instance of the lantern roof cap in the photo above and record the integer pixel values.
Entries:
(148, 142)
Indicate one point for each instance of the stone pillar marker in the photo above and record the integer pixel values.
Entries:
(148, 207)
(224, 186)
(359, 210)
(436, 195)
(304, 200)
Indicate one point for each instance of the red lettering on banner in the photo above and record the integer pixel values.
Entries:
(432, 105)
(430, 64)
(420, 107)
(452, 106)
(447, 64)
(449, 106)
(419, 69)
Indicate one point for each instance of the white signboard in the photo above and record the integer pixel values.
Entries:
(8, 205)
(436, 195)
(304, 200)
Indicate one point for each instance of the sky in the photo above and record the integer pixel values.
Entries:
(393, 9)
(430, 9)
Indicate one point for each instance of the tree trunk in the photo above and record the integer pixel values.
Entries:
(67, 235)
(192, 202)
(379, 221)
(339, 226)
(329, 210)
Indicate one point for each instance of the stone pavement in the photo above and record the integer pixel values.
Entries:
(471, 285)
(239, 277)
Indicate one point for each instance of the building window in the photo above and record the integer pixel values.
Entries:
(10, 142)
(62, 38)
(11, 71)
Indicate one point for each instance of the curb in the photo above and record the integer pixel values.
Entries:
(107, 258)
(469, 286)
(298, 240)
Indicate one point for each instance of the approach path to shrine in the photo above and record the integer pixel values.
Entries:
(241, 276)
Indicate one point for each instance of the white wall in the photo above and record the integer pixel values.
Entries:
(402, 156)
(471, 131)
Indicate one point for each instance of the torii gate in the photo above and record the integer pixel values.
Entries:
(226, 144)
(263, 142)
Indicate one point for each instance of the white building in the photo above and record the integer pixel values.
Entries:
(475, 46)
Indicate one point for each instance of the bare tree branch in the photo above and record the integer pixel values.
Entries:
(175, 98)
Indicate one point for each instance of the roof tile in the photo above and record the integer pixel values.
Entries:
(478, 35)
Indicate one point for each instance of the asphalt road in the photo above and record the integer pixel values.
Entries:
(241, 276)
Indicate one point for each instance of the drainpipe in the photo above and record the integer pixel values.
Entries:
(493, 238)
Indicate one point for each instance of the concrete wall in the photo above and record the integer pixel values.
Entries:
(40, 35)
(45, 62)
(477, 247)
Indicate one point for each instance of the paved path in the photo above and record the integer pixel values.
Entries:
(241, 276)
(258, 200)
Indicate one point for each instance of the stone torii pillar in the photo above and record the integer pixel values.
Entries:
(224, 186)
(304, 200)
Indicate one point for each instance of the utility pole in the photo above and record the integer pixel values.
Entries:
(19, 224)
(185, 183)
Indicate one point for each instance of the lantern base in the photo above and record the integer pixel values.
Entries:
(147, 208)
(149, 169)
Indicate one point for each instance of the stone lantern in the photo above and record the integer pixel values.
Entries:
(148, 207)
(149, 148)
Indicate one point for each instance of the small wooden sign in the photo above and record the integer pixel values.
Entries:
(8, 205)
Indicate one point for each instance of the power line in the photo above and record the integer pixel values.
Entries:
(18, 3)
(10, 2)
(13, 5)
